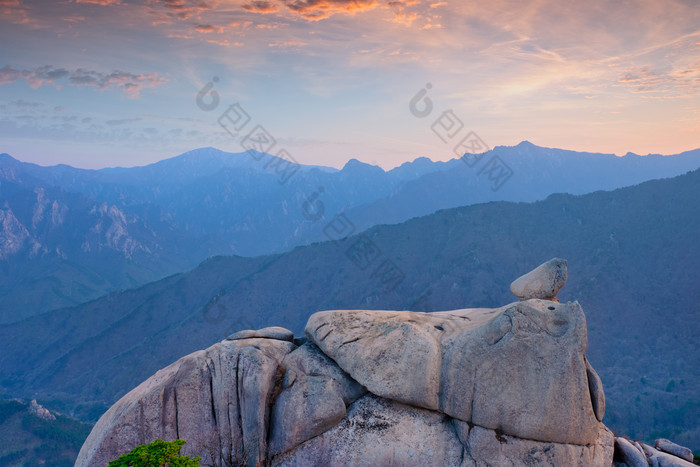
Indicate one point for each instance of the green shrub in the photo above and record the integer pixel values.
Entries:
(156, 454)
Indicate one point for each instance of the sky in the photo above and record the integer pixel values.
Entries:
(97, 83)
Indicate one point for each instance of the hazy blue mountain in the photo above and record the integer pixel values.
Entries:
(123, 227)
(634, 265)
(59, 249)
(536, 173)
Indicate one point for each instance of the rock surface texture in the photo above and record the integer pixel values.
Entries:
(472, 387)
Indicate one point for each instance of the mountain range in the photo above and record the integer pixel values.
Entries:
(632, 252)
(71, 235)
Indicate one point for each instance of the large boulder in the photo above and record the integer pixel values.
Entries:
(216, 399)
(314, 399)
(471, 387)
(519, 368)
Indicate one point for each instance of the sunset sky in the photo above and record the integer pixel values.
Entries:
(95, 83)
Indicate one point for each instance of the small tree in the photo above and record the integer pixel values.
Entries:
(159, 453)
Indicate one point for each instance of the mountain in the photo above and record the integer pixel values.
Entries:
(45, 438)
(59, 249)
(633, 257)
(70, 235)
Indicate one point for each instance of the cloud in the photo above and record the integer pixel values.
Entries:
(208, 28)
(100, 2)
(22, 104)
(269, 25)
(14, 11)
(406, 19)
(316, 10)
(122, 121)
(655, 83)
(401, 16)
(261, 6)
(221, 28)
(287, 44)
(168, 11)
(35, 78)
(129, 83)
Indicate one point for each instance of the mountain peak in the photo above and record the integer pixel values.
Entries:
(5, 157)
(354, 164)
(526, 144)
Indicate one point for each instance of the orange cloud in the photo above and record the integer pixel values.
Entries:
(400, 15)
(261, 6)
(316, 10)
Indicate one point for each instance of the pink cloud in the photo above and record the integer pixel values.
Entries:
(14, 11)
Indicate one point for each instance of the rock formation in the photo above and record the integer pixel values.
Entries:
(664, 454)
(503, 386)
(545, 281)
(40, 411)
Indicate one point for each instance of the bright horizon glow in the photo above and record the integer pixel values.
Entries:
(103, 83)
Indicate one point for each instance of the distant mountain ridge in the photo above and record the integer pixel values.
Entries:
(122, 227)
(637, 267)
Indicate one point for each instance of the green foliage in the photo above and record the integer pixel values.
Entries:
(29, 440)
(64, 431)
(156, 454)
(9, 408)
(13, 456)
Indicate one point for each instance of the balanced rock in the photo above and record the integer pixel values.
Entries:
(545, 281)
